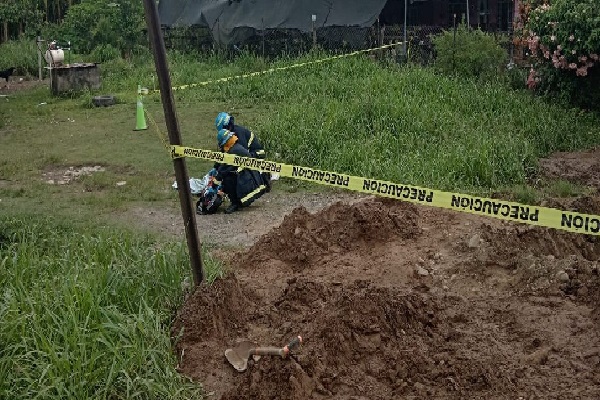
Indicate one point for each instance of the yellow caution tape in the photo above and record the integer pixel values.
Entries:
(163, 138)
(271, 70)
(495, 208)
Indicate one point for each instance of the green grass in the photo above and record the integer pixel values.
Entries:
(407, 125)
(353, 115)
(84, 313)
(21, 54)
(535, 194)
(402, 124)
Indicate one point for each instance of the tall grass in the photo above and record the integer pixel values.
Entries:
(86, 315)
(21, 54)
(403, 124)
(361, 117)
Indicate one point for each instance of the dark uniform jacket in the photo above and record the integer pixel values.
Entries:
(255, 150)
(242, 185)
(247, 139)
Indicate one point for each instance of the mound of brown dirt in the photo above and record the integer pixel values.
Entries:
(355, 336)
(512, 242)
(543, 261)
(202, 315)
(303, 237)
(578, 167)
(583, 204)
(448, 306)
(384, 343)
(587, 205)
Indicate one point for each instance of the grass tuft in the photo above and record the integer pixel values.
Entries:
(85, 315)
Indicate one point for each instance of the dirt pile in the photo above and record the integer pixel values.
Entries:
(214, 311)
(586, 204)
(581, 167)
(399, 302)
(357, 338)
(541, 261)
(303, 237)
(516, 241)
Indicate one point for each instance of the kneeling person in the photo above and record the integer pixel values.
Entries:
(241, 185)
(246, 138)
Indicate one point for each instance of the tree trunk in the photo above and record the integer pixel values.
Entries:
(5, 31)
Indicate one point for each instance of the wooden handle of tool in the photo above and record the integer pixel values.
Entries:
(267, 351)
(277, 351)
(295, 342)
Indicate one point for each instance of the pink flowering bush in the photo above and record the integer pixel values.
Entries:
(563, 38)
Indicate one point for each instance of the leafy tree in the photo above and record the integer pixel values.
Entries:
(92, 23)
(18, 13)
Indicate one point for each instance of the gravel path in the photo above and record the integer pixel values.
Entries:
(240, 229)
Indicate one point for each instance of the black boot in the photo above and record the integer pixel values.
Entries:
(266, 177)
(233, 207)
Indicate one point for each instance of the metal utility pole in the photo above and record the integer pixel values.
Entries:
(454, 46)
(468, 19)
(166, 93)
(405, 19)
(314, 30)
(38, 42)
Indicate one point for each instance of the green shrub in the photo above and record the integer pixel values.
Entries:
(515, 77)
(469, 53)
(564, 40)
(105, 22)
(21, 54)
(104, 53)
(566, 87)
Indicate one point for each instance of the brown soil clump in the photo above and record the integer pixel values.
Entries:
(303, 237)
(578, 167)
(396, 301)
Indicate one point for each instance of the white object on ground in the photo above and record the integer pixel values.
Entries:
(196, 185)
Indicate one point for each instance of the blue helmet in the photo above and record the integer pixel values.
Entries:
(223, 120)
(223, 136)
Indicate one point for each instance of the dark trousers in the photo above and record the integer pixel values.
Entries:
(230, 189)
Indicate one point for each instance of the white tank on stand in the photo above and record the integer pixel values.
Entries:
(54, 56)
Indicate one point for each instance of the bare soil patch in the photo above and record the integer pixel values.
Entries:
(238, 230)
(65, 175)
(21, 83)
(578, 167)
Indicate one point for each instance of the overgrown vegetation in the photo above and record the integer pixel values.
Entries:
(384, 121)
(469, 53)
(21, 54)
(105, 24)
(402, 124)
(84, 312)
(563, 37)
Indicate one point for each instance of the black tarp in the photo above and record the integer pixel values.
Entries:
(232, 21)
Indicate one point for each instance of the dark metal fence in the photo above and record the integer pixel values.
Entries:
(338, 39)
